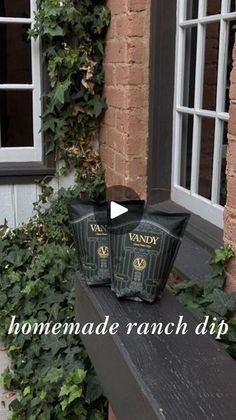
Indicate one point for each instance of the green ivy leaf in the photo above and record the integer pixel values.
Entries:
(93, 390)
(42, 395)
(222, 255)
(82, 413)
(75, 393)
(26, 391)
(222, 302)
(96, 415)
(60, 91)
(53, 31)
(232, 321)
(212, 283)
(98, 104)
(219, 259)
(231, 334)
(54, 375)
(77, 376)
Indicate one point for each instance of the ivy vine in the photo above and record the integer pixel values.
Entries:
(210, 298)
(72, 34)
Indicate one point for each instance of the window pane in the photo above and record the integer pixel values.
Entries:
(189, 67)
(15, 8)
(16, 118)
(192, 9)
(211, 66)
(186, 150)
(15, 54)
(213, 7)
(206, 157)
(223, 185)
(229, 62)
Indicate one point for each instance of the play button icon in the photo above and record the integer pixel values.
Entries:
(116, 210)
(124, 209)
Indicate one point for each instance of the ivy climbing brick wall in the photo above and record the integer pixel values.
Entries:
(124, 129)
(230, 209)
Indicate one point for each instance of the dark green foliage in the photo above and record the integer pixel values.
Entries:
(53, 373)
(37, 261)
(210, 298)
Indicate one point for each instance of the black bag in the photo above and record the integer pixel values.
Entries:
(143, 257)
(91, 240)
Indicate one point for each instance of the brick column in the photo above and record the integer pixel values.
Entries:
(230, 209)
(124, 130)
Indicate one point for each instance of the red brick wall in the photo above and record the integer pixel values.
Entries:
(124, 130)
(230, 209)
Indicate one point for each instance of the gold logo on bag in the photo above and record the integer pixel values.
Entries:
(98, 228)
(103, 252)
(139, 264)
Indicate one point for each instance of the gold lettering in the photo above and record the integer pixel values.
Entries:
(155, 239)
(98, 228)
(149, 240)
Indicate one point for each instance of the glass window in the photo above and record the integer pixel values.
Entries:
(205, 41)
(20, 84)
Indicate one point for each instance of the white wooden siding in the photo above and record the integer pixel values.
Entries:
(24, 196)
(16, 201)
(7, 204)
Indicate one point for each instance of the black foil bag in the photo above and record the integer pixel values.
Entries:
(88, 222)
(143, 256)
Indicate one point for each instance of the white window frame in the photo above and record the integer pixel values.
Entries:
(210, 210)
(34, 153)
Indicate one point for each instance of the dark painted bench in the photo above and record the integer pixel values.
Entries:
(151, 377)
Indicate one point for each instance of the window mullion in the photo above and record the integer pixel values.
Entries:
(208, 19)
(16, 86)
(15, 20)
(180, 58)
(224, 116)
(225, 6)
(36, 79)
